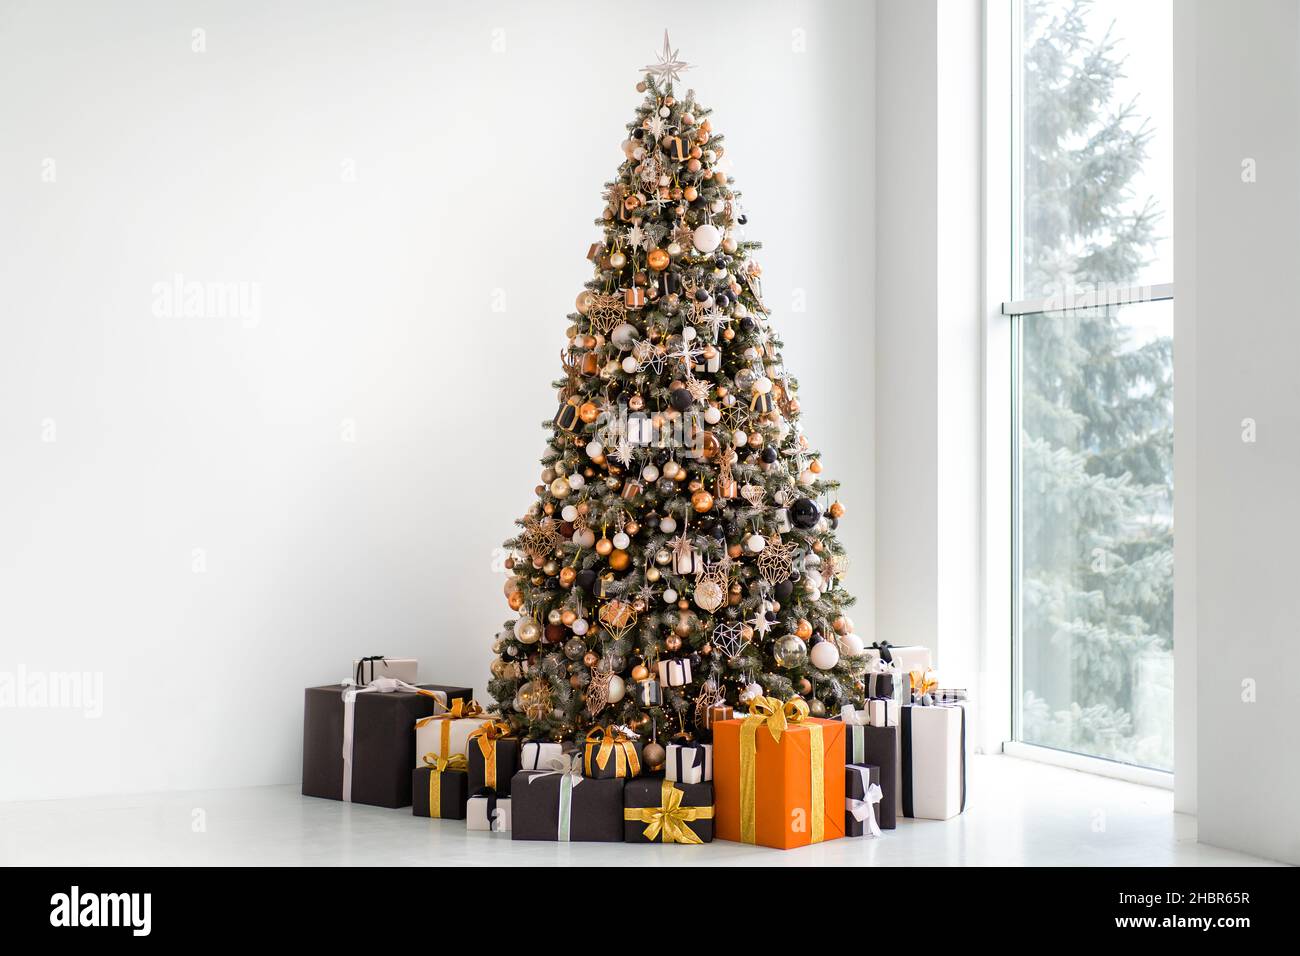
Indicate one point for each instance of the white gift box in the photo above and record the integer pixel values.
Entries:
(675, 672)
(689, 763)
(883, 712)
(399, 668)
(477, 814)
(911, 657)
(536, 755)
(932, 761)
(429, 735)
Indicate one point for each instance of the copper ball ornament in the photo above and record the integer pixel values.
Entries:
(702, 501)
(657, 259)
(619, 560)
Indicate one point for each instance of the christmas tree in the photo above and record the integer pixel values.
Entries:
(681, 550)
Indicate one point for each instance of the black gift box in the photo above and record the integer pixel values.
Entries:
(595, 808)
(453, 793)
(507, 764)
(617, 759)
(882, 685)
(881, 751)
(649, 792)
(854, 790)
(383, 742)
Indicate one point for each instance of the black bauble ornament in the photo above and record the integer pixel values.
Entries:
(804, 513)
(701, 295)
(747, 324)
(742, 219)
(681, 400)
(769, 454)
(586, 580)
(783, 591)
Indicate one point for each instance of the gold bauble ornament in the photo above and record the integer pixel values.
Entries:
(604, 546)
(673, 642)
(657, 259)
(653, 756)
(588, 412)
(702, 501)
(619, 560)
(567, 576)
(640, 672)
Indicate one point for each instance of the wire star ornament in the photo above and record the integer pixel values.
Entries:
(669, 68)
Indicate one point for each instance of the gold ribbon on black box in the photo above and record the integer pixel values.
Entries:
(437, 765)
(776, 717)
(486, 736)
(460, 710)
(669, 819)
(604, 742)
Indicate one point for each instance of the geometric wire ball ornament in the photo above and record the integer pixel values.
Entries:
(598, 692)
(605, 312)
(617, 617)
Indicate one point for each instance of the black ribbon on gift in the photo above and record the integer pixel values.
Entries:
(491, 796)
(883, 647)
(361, 667)
(697, 756)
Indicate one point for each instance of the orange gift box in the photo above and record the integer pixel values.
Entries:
(779, 749)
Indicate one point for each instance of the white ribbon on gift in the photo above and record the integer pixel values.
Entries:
(380, 685)
(864, 810)
(856, 718)
(569, 769)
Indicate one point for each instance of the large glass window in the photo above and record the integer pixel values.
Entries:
(1094, 378)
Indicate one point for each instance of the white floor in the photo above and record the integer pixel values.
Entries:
(1021, 813)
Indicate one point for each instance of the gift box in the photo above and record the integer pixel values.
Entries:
(905, 658)
(862, 795)
(567, 417)
(634, 298)
(716, 713)
(649, 693)
(883, 711)
(886, 682)
(399, 668)
(611, 752)
(877, 746)
(358, 744)
(493, 757)
(689, 762)
(779, 776)
(675, 672)
(932, 761)
(448, 733)
(675, 148)
(487, 811)
(440, 788)
(538, 754)
(664, 811)
(563, 805)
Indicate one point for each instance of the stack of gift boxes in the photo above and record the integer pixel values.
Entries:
(772, 776)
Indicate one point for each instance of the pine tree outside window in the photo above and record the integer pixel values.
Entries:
(1092, 321)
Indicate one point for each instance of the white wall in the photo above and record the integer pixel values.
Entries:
(928, 330)
(1246, 102)
(477, 175)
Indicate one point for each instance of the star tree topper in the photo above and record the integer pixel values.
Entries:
(669, 68)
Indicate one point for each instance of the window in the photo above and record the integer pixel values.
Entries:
(1092, 327)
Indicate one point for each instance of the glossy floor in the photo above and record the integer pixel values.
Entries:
(1021, 813)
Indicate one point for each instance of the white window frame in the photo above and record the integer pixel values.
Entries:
(999, 657)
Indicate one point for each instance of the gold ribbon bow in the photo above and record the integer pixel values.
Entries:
(487, 735)
(437, 764)
(461, 709)
(923, 682)
(604, 741)
(777, 717)
(670, 817)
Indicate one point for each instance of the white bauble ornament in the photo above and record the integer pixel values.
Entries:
(807, 478)
(630, 365)
(824, 655)
(617, 260)
(674, 249)
(576, 481)
(739, 438)
(713, 415)
(624, 336)
(740, 311)
(851, 645)
(812, 580)
(812, 594)
(616, 689)
(670, 596)
(585, 538)
(569, 513)
(594, 449)
(621, 541)
(755, 543)
(668, 525)
(579, 626)
(650, 473)
(688, 333)
(750, 692)
(762, 385)
(706, 237)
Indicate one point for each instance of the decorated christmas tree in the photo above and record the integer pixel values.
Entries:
(681, 550)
